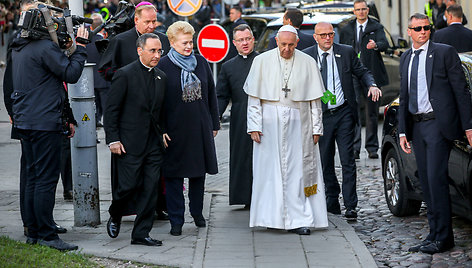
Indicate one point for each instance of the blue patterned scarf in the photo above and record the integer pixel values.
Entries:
(191, 85)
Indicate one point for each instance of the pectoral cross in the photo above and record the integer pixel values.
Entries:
(286, 90)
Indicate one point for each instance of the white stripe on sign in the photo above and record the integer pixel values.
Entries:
(213, 43)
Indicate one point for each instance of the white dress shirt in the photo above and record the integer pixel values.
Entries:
(424, 106)
(358, 29)
(333, 84)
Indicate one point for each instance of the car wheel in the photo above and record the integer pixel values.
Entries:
(396, 191)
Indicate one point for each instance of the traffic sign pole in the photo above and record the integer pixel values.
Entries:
(215, 67)
(213, 44)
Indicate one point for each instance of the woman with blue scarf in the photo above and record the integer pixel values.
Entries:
(191, 117)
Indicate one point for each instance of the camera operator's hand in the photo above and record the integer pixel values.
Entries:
(83, 33)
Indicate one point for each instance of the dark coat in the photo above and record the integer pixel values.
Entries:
(132, 110)
(371, 58)
(122, 50)
(447, 88)
(39, 69)
(232, 49)
(230, 88)
(348, 65)
(190, 125)
(93, 56)
(442, 23)
(304, 42)
(455, 35)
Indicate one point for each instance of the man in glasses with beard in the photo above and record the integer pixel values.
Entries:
(435, 109)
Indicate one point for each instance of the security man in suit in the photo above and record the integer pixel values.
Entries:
(435, 108)
(367, 37)
(294, 17)
(132, 128)
(455, 34)
(235, 14)
(338, 63)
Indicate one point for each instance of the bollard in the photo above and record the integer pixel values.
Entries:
(84, 151)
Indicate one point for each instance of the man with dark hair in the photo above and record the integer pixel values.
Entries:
(235, 14)
(39, 68)
(294, 17)
(122, 48)
(441, 20)
(367, 37)
(230, 88)
(133, 133)
(455, 34)
(435, 109)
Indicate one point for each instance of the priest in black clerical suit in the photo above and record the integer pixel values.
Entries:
(133, 133)
(230, 87)
(122, 48)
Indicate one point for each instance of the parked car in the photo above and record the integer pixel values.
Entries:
(401, 184)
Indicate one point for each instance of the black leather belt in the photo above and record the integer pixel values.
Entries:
(334, 110)
(423, 117)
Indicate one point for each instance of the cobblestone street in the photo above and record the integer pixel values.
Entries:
(388, 237)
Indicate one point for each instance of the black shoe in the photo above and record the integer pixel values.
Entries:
(199, 221)
(350, 214)
(113, 227)
(59, 229)
(357, 155)
(68, 196)
(301, 231)
(146, 241)
(416, 248)
(161, 216)
(176, 230)
(58, 244)
(437, 247)
(31, 240)
(373, 155)
(334, 211)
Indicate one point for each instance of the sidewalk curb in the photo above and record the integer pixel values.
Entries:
(200, 245)
(362, 253)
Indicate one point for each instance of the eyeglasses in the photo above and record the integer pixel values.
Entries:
(154, 51)
(247, 39)
(360, 9)
(418, 29)
(324, 35)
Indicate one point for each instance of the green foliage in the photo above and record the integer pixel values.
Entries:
(16, 254)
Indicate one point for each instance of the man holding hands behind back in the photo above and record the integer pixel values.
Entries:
(435, 108)
(132, 127)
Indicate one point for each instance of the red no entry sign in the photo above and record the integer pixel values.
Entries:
(213, 43)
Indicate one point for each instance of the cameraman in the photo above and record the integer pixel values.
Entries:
(39, 68)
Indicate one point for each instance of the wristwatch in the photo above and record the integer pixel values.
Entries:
(374, 85)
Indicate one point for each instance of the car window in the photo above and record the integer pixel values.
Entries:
(467, 68)
(257, 27)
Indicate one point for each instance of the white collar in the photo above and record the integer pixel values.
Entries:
(363, 24)
(147, 67)
(456, 22)
(424, 47)
(320, 51)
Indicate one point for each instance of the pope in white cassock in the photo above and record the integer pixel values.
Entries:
(284, 120)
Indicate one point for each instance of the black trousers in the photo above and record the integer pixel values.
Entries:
(432, 152)
(339, 127)
(137, 177)
(176, 202)
(66, 165)
(371, 111)
(42, 150)
(23, 173)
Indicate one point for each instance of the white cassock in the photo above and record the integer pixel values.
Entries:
(288, 190)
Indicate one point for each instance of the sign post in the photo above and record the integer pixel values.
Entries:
(213, 44)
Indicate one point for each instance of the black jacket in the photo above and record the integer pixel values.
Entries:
(455, 35)
(371, 58)
(348, 66)
(122, 50)
(134, 107)
(39, 68)
(447, 88)
(304, 41)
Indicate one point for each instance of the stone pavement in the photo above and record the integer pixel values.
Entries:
(227, 241)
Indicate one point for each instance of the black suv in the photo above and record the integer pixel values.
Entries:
(400, 174)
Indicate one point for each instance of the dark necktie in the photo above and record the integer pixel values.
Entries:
(324, 70)
(359, 38)
(413, 103)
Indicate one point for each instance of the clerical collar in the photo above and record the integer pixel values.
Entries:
(146, 67)
(245, 56)
(137, 32)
